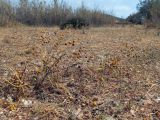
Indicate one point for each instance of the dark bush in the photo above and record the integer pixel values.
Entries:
(136, 18)
(76, 23)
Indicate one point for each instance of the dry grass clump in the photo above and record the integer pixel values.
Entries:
(70, 75)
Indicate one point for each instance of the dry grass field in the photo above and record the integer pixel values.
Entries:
(106, 73)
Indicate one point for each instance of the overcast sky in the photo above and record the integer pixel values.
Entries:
(120, 8)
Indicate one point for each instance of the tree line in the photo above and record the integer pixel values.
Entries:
(38, 12)
(148, 13)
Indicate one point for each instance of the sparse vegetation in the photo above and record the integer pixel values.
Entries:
(101, 73)
(47, 73)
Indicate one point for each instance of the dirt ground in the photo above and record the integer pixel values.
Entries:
(105, 73)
